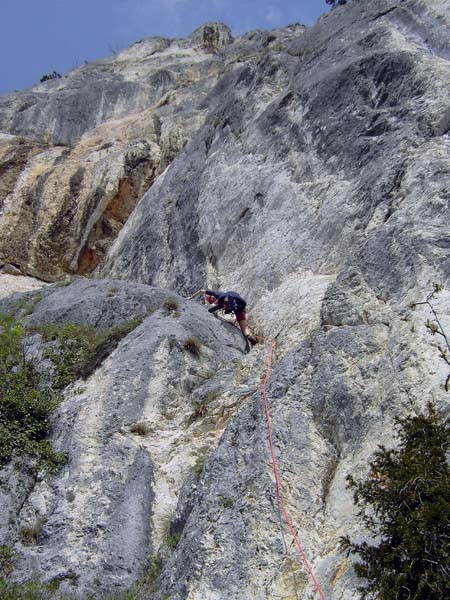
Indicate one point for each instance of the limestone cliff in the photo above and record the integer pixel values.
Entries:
(88, 146)
(313, 177)
(77, 153)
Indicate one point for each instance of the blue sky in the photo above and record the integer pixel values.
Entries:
(39, 36)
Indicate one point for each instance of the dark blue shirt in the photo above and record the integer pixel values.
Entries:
(230, 301)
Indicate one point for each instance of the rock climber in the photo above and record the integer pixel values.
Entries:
(229, 302)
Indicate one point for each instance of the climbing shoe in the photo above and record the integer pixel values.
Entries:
(253, 341)
(249, 342)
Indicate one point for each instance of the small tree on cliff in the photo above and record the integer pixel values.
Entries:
(405, 504)
(336, 2)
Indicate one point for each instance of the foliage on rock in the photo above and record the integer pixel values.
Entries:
(7, 559)
(26, 402)
(140, 428)
(80, 349)
(435, 327)
(405, 503)
(50, 76)
(26, 397)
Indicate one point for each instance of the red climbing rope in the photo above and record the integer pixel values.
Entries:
(275, 469)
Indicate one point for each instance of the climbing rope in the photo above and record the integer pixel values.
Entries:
(275, 468)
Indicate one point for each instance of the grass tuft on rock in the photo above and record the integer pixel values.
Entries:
(170, 304)
(193, 345)
(29, 536)
(80, 349)
(140, 428)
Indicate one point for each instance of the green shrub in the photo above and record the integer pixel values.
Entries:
(63, 283)
(212, 395)
(26, 402)
(299, 53)
(405, 504)
(26, 399)
(200, 410)
(34, 590)
(147, 584)
(74, 349)
(435, 327)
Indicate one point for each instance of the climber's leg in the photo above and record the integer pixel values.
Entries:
(241, 318)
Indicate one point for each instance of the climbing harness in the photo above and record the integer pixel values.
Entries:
(275, 468)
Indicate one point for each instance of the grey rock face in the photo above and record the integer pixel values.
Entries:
(336, 137)
(212, 36)
(128, 82)
(324, 162)
(70, 180)
(97, 510)
(316, 185)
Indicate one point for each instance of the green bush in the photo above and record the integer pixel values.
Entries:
(405, 504)
(225, 501)
(74, 349)
(63, 283)
(26, 402)
(434, 326)
(200, 410)
(144, 588)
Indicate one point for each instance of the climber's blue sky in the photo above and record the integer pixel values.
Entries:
(39, 36)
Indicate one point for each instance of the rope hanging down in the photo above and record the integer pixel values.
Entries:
(275, 470)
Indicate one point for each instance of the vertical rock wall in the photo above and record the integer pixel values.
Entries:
(316, 183)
